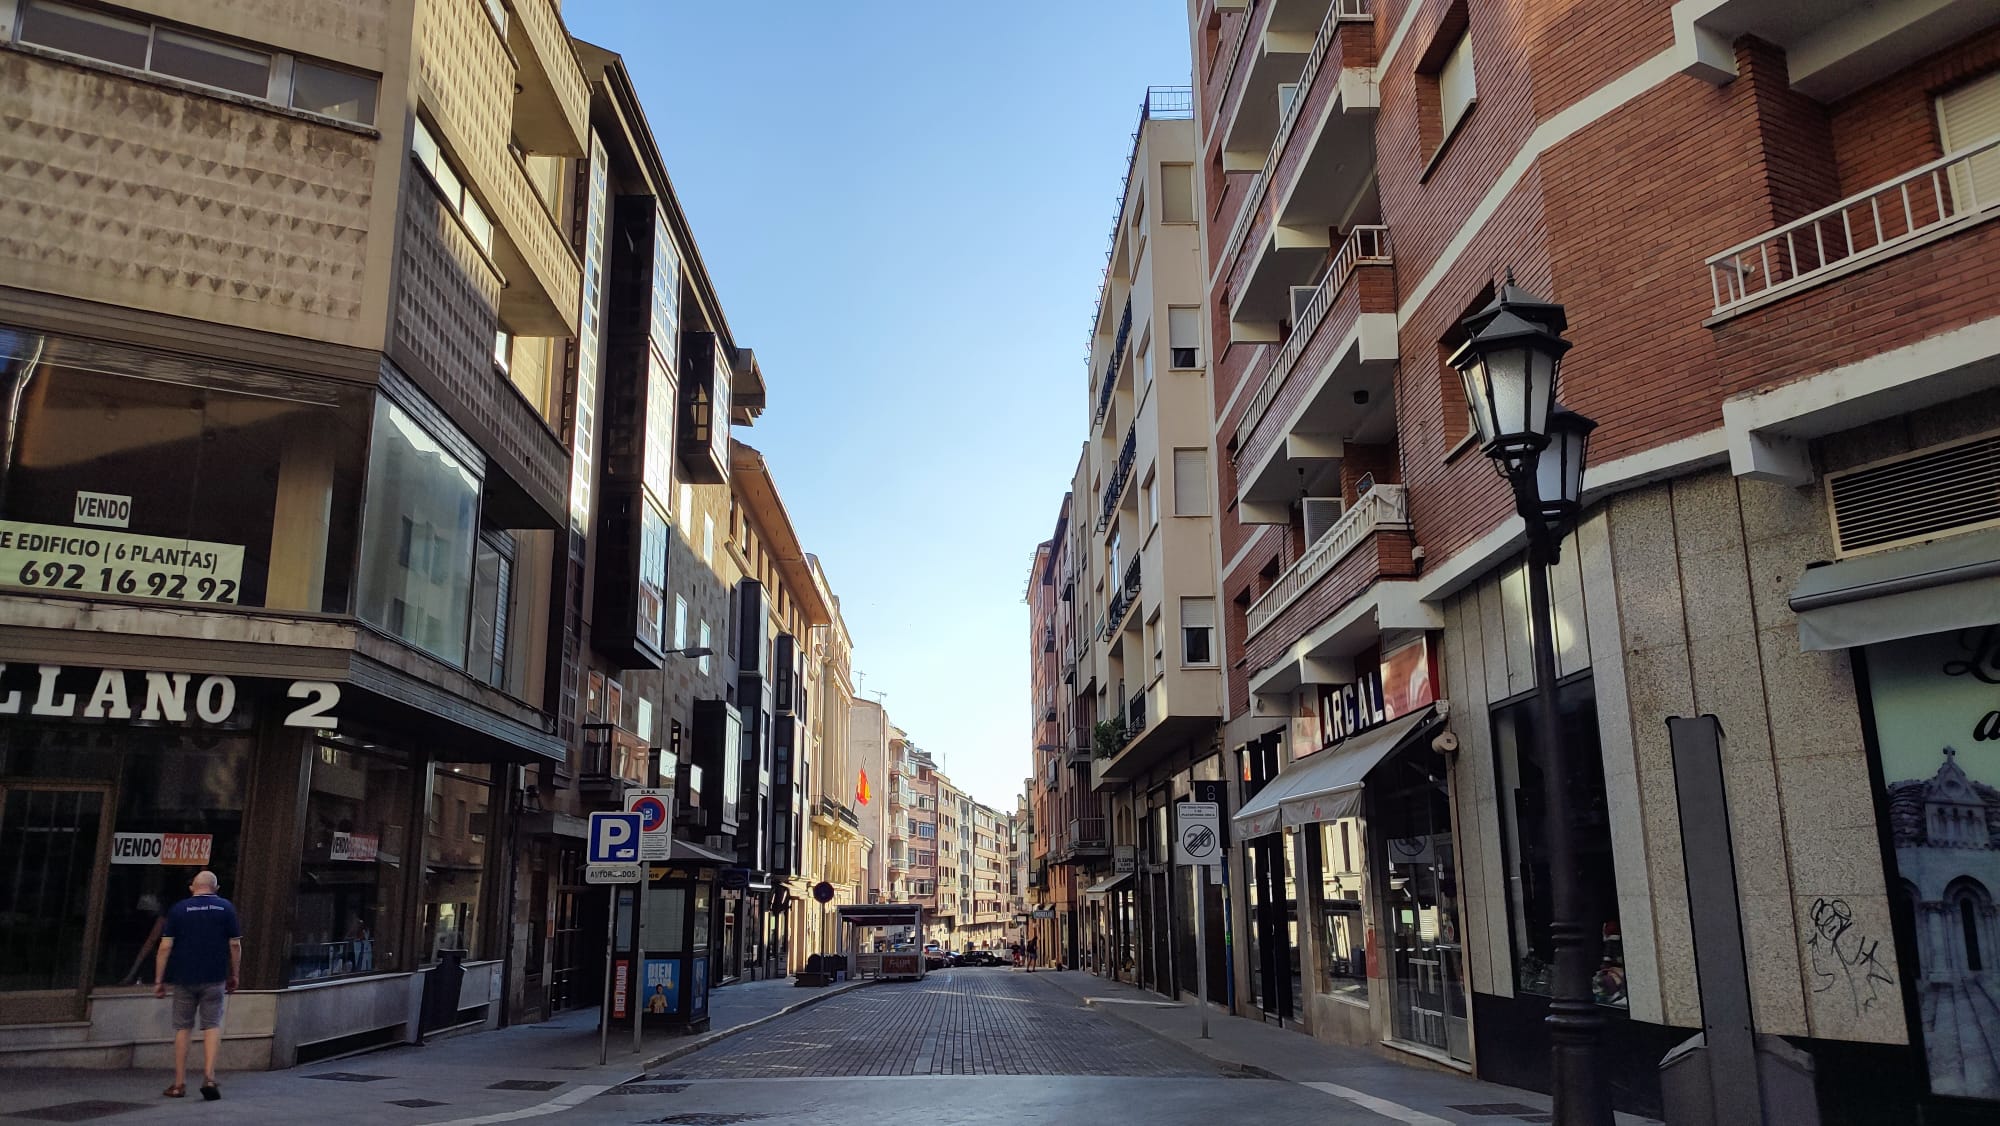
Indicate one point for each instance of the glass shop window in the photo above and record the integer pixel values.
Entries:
(455, 845)
(1520, 772)
(1338, 855)
(126, 475)
(347, 916)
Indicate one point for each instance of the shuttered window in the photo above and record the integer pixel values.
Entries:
(1456, 88)
(1968, 116)
(1191, 482)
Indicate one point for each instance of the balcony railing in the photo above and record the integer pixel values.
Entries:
(1048, 639)
(1087, 832)
(1114, 489)
(1122, 600)
(839, 811)
(1135, 716)
(1367, 245)
(1253, 201)
(1110, 381)
(1384, 506)
(1911, 209)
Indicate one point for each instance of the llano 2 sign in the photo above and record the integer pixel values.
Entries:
(56, 692)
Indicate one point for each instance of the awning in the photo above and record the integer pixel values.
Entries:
(687, 850)
(1326, 786)
(1108, 885)
(1937, 587)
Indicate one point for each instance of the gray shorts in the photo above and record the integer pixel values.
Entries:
(203, 999)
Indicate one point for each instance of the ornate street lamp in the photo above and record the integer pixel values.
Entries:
(1511, 358)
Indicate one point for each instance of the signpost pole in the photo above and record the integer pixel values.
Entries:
(610, 948)
(1201, 943)
(636, 998)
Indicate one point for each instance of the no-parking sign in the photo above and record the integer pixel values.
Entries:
(656, 814)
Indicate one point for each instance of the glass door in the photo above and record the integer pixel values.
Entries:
(52, 861)
(1429, 958)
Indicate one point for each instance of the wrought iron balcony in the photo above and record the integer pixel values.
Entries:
(1127, 594)
(1114, 489)
(839, 811)
(1135, 717)
(1110, 380)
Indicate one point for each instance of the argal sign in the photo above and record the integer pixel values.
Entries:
(156, 697)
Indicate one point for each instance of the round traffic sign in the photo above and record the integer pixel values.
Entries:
(823, 892)
(1199, 841)
(652, 812)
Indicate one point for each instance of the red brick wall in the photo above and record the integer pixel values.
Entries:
(1883, 131)
(1386, 554)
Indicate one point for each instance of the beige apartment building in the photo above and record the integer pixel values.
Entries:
(1146, 691)
(838, 850)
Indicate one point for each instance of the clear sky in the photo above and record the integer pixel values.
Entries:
(905, 209)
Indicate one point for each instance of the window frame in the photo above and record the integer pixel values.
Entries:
(1174, 350)
(1206, 633)
(1199, 507)
(1167, 210)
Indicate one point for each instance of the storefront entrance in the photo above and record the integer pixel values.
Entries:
(52, 843)
(1427, 969)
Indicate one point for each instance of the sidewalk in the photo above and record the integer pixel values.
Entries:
(1417, 1094)
(518, 1072)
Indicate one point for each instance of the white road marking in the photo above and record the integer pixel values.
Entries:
(1380, 1106)
(561, 1102)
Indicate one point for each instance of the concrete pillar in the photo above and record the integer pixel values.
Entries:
(299, 522)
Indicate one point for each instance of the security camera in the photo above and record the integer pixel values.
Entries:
(1445, 743)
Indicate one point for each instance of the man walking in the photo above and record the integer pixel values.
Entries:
(201, 952)
(1031, 953)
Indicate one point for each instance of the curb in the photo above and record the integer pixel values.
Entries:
(708, 1039)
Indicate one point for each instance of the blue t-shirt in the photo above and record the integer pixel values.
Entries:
(201, 927)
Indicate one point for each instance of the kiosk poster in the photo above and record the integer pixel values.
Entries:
(1937, 723)
(102, 561)
(662, 991)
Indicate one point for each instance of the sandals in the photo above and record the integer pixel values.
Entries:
(177, 1091)
(210, 1091)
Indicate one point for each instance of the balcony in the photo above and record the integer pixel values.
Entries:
(1126, 597)
(1331, 383)
(1384, 506)
(1087, 834)
(1832, 47)
(1114, 489)
(552, 105)
(1274, 62)
(835, 810)
(1110, 381)
(1048, 639)
(1318, 174)
(1923, 205)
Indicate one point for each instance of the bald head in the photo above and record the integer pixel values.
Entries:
(204, 883)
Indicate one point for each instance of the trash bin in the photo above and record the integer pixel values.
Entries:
(442, 986)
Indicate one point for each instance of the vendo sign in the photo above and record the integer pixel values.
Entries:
(181, 849)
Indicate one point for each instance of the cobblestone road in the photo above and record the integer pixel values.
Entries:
(986, 1021)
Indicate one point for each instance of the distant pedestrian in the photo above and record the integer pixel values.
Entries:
(1031, 953)
(1015, 950)
(201, 953)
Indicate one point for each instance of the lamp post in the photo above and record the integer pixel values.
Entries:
(1510, 362)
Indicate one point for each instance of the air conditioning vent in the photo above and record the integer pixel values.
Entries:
(1954, 488)
(1321, 514)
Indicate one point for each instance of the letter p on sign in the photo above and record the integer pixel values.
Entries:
(614, 838)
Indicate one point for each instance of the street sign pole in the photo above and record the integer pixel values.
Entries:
(1201, 943)
(1198, 844)
(610, 953)
(634, 995)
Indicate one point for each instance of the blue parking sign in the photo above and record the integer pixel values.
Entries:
(614, 838)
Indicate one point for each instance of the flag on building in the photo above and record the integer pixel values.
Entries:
(861, 791)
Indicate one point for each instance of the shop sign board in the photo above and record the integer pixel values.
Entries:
(654, 808)
(1198, 833)
(175, 849)
(103, 510)
(95, 561)
(58, 692)
(1125, 861)
(359, 847)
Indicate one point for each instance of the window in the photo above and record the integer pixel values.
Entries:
(708, 540)
(705, 643)
(347, 914)
(686, 512)
(1184, 335)
(1519, 773)
(1177, 193)
(268, 76)
(333, 93)
(492, 607)
(925, 830)
(1197, 631)
(680, 622)
(424, 145)
(1288, 92)
(1190, 482)
(454, 860)
(1152, 499)
(417, 538)
(1333, 851)
(1966, 116)
(1456, 88)
(1145, 363)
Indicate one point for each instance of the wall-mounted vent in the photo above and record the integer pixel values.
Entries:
(1949, 489)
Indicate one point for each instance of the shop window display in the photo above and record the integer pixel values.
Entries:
(1519, 773)
(348, 914)
(1335, 851)
(455, 847)
(188, 485)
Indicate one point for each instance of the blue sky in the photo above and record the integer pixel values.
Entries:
(905, 210)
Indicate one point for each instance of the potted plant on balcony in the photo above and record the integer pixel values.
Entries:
(1109, 736)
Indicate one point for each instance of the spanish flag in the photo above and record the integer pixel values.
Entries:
(861, 791)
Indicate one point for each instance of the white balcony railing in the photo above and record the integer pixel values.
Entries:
(1340, 10)
(1956, 190)
(1364, 245)
(1384, 506)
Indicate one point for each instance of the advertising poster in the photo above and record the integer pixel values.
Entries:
(1406, 679)
(1937, 724)
(182, 849)
(662, 992)
(621, 980)
(701, 986)
(99, 561)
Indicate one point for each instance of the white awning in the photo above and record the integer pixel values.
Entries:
(1326, 786)
(1105, 886)
(1947, 584)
